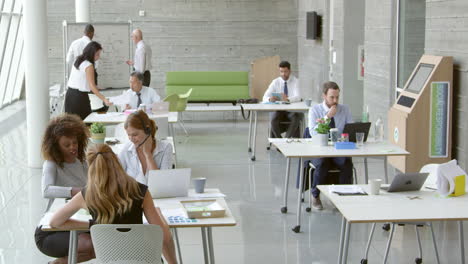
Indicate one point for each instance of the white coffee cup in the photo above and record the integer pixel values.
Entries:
(374, 186)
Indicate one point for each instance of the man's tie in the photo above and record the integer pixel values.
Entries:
(332, 122)
(139, 99)
(286, 88)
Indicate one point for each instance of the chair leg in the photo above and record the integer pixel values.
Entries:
(434, 242)
(181, 123)
(311, 170)
(389, 242)
(355, 175)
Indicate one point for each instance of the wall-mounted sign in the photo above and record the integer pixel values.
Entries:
(439, 118)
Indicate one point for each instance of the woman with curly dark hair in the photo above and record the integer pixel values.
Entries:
(64, 174)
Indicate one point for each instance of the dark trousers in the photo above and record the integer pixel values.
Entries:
(277, 127)
(146, 78)
(77, 102)
(52, 243)
(323, 165)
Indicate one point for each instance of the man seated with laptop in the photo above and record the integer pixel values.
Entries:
(284, 89)
(139, 94)
(340, 115)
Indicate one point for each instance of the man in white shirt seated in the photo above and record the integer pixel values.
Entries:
(139, 94)
(284, 88)
(340, 115)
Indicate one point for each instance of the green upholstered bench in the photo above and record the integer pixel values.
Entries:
(209, 87)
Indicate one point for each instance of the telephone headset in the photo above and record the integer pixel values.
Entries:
(146, 128)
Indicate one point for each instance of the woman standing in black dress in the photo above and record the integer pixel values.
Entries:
(82, 81)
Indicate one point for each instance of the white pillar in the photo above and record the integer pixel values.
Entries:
(37, 76)
(82, 11)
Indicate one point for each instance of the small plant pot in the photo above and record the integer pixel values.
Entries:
(98, 138)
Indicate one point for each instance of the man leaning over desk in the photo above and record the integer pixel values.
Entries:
(340, 115)
(139, 94)
(286, 89)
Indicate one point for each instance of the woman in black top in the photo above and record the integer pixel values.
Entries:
(113, 197)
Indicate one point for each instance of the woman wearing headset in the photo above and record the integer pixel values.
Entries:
(144, 152)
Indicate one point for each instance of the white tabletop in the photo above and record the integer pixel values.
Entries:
(398, 207)
(212, 108)
(120, 117)
(172, 206)
(168, 206)
(299, 106)
(307, 149)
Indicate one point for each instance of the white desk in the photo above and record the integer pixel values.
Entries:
(305, 148)
(212, 108)
(255, 108)
(120, 117)
(167, 206)
(170, 205)
(382, 208)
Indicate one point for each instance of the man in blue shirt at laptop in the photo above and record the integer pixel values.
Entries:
(340, 115)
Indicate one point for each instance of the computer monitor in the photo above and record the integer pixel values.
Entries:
(419, 78)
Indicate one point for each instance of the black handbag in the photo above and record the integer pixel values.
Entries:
(246, 101)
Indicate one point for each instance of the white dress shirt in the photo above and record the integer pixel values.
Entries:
(128, 157)
(142, 59)
(77, 79)
(277, 86)
(148, 97)
(342, 117)
(76, 48)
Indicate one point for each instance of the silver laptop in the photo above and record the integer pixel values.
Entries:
(169, 183)
(405, 182)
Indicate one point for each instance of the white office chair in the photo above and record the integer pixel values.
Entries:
(431, 169)
(127, 244)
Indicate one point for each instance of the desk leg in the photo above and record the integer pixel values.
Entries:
(366, 173)
(249, 144)
(205, 247)
(346, 243)
(389, 242)
(462, 242)
(254, 136)
(210, 245)
(176, 237)
(385, 162)
(73, 247)
(284, 209)
(342, 234)
(297, 228)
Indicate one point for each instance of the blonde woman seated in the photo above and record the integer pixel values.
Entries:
(144, 152)
(64, 174)
(112, 197)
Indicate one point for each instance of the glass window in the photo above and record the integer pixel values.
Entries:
(11, 51)
(18, 6)
(411, 33)
(13, 65)
(8, 5)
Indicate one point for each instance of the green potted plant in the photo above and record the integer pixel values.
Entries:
(98, 133)
(323, 127)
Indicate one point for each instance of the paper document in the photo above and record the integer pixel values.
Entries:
(122, 99)
(207, 195)
(346, 189)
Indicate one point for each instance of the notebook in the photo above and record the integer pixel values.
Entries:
(169, 183)
(404, 182)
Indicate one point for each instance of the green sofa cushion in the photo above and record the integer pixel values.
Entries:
(209, 86)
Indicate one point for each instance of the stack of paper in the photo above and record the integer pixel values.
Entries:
(347, 190)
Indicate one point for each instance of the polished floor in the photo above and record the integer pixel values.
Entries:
(217, 150)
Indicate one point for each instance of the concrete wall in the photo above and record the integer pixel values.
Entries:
(446, 27)
(312, 54)
(194, 35)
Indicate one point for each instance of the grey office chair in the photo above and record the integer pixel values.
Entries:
(124, 244)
